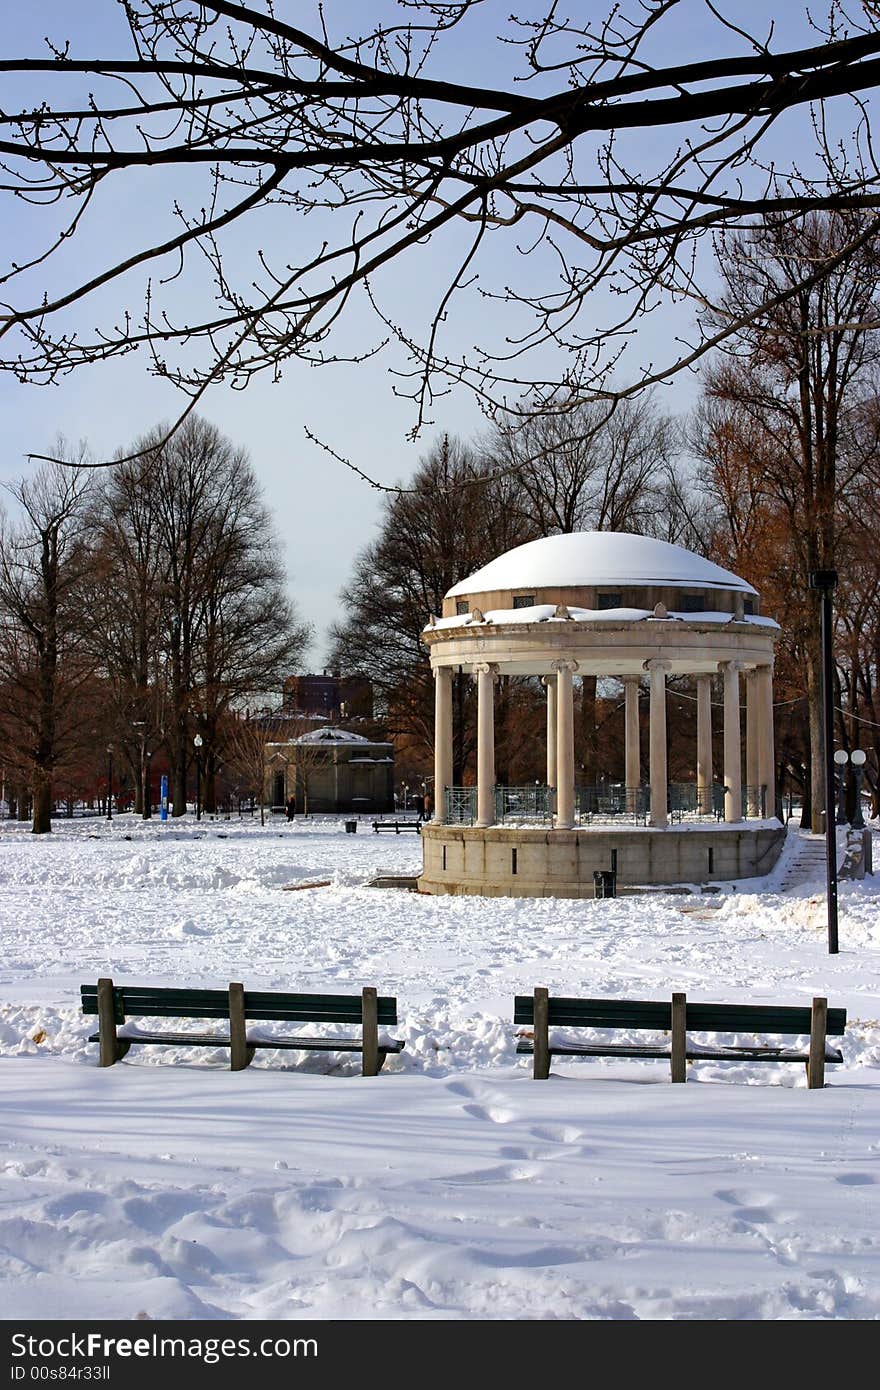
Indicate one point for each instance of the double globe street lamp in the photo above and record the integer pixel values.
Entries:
(858, 758)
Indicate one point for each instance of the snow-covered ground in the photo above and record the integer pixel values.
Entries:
(452, 1186)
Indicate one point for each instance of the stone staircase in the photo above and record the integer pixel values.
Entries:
(805, 868)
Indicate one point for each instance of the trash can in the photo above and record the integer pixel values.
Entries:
(351, 827)
(604, 883)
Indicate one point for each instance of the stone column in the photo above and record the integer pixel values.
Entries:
(485, 744)
(550, 684)
(632, 758)
(704, 744)
(565, 745)
(442, 740)
(732, 743)
(766, 754)
(753, 794)
(657, 744)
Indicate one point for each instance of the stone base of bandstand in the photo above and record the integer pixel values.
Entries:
(505, 861)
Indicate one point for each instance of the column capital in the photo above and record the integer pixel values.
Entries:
(732, 665)
(485, 668)
(548, 679)
(657, 664)
(565, 664)
(438, 671)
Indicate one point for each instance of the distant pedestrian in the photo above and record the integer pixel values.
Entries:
(291, 807)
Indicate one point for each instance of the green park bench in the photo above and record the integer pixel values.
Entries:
(677, 1018)
(114, 1004)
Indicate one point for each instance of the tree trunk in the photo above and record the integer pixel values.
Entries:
(813, 666)
(209, 770)
(179, 772)
(42, 805)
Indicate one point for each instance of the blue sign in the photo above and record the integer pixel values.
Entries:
(163, 813)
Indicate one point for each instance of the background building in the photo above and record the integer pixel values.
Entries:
(328, 697)
(329, 770)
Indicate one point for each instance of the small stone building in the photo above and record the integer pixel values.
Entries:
(332, 770)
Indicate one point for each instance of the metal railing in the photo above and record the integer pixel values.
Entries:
(608, 802)
(532, 802)
(691, 801)
(754, 802)
(461, 805)
(612, 802)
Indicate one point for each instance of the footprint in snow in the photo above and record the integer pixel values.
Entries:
(491, 1112)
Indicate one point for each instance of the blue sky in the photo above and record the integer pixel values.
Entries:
(324, 514)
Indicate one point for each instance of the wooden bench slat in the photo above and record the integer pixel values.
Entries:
(223, 1040)
(323, 1044)
(137, 993)
(598, 1013)
(172, 1039)
(756, 1018)
(151, 1009)
(693, 1054)
(709, 1018)
(292, 1008)
(526, 1049)
(290, 1000)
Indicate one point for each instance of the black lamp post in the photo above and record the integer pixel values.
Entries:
(109, 781)
(198, 743)
(825, 581)
(148, 785)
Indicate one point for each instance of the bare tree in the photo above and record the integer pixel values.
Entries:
(247, 753)
(595, 467)
(857, 607)
(366, 154)
(798, 381)
(453, 519)
(127, 611)
(43, 561)
(248, 634)
(208, 586)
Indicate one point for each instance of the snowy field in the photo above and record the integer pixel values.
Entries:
(451, 1186)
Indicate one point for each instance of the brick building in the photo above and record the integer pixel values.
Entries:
(328, 697)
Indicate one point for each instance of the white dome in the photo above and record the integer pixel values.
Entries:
(599, 558)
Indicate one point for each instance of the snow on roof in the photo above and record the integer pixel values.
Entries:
(546, 613)
(331, 736)
(599, 557)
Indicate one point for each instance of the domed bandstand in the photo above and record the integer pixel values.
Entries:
(615, 606)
